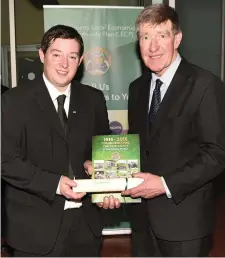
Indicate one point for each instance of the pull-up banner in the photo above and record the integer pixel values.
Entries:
(111, 59)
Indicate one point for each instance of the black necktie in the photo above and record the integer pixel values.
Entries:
(61, 110)
(156, 100)
(63, 120)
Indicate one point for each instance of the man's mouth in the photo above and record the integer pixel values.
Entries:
(155, 57)
(62, 72)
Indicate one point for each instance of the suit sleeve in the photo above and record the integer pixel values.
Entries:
(17, 170)
(210, 160)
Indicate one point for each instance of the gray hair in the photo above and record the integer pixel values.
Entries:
(157, 14)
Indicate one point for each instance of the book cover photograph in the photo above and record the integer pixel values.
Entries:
(115, 156)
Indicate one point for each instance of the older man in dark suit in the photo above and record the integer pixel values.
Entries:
(47, 130)
(178, 111)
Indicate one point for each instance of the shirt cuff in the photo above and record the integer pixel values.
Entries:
(168, 193)
(58, 188)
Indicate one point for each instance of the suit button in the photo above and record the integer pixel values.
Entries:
(146, 152)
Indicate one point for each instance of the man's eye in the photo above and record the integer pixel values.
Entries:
(163, 36)
(73, 57)
(146, 37)
(56, 55)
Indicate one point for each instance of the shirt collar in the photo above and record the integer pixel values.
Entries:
(167, 77)
(54, 93)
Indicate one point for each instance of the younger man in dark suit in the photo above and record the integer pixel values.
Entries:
(178, 111)
(47, 130)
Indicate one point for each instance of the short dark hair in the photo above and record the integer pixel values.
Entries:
(63, 32)
(157, 14)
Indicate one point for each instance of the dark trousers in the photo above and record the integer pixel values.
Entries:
(146, 244)
(75, 239)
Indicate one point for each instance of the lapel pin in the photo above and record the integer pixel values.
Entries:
(74, 112)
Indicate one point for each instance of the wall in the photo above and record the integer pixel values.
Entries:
(29, 20)
(201, 22)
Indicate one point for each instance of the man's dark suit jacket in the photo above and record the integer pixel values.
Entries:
(35, 153)
(186, 146)
(3, 89)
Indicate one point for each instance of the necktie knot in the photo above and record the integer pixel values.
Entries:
(158, 84)
(61, 100)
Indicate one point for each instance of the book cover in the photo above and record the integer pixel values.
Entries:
(115, 156)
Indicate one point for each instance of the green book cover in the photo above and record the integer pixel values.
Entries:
(115, 156)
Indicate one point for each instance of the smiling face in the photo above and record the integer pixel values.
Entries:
(158, 45)
(61, 62)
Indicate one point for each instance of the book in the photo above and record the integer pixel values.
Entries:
(115, 156)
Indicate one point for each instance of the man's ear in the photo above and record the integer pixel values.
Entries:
(81, 59)
(178, 38)
(41, 55)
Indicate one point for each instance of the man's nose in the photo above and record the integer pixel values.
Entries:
(154, 45)
(64, 62)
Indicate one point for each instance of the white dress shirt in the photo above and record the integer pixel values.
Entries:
(166, 79)
(54, 93)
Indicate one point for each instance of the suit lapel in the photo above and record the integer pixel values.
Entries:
(76, 106)
(143, 102)
(47, 107)
(173, 97)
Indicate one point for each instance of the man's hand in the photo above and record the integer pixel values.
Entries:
(109, 202)
(88, 167)
(66, 189)
(150, 188)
